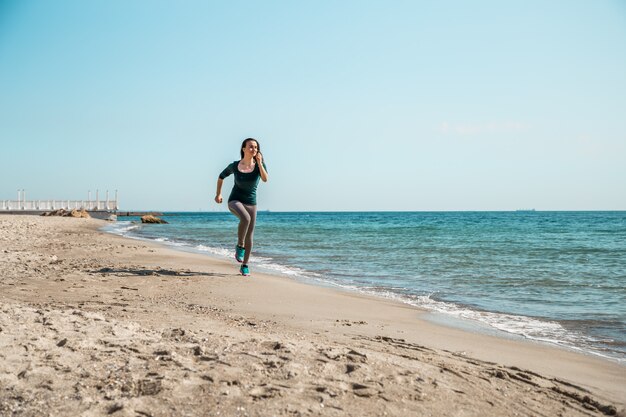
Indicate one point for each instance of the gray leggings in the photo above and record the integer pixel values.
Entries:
(247, 218)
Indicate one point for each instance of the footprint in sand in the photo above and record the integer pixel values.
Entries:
(263, 391)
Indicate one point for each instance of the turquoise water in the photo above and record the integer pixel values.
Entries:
(558, 277)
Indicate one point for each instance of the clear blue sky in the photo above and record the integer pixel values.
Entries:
(358, 105)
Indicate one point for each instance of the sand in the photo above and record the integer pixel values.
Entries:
(95, 324)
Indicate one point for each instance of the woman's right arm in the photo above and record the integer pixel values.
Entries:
(218, 193)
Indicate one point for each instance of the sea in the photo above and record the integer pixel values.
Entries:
(552, 277)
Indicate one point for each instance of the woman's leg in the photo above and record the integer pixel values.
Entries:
(251, 211)
(239, 210)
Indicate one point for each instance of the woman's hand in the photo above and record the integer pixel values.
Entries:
(262, 171)
(218, 199)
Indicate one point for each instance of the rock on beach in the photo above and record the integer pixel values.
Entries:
(65, 213)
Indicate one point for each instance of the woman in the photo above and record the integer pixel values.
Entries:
(242, 200)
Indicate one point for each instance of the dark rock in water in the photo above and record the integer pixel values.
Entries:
(152, 219)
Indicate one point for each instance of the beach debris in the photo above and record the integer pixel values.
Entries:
(149, 218)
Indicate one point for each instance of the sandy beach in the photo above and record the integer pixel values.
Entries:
(95, 324)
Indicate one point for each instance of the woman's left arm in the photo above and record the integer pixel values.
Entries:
(262, 171)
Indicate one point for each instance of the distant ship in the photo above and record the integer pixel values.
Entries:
(525, 210)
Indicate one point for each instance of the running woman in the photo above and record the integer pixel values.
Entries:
(242, 200)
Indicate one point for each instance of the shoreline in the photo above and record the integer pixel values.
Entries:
(291, 347)
(444, 318)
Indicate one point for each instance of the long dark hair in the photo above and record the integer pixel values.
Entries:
(245, 142)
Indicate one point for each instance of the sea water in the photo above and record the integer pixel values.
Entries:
(557, 277)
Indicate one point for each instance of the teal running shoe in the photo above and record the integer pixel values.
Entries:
(239, 253)
(244, 270)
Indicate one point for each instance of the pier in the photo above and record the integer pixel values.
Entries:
(100, 209)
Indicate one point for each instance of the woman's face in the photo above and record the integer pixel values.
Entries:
(251, 148)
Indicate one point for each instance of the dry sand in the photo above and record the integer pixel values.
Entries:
(96, 324)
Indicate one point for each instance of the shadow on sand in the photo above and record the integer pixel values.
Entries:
(155, 272)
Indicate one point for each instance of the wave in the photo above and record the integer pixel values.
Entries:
(121, 228)
(536, 329)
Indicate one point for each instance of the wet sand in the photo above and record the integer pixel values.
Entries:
(96, 324)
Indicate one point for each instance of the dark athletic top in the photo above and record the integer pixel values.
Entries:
(244, 189)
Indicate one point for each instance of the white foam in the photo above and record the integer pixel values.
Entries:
(528, 327)
(175, 243)
(221, 252)
(269, 266)
(121, 228)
